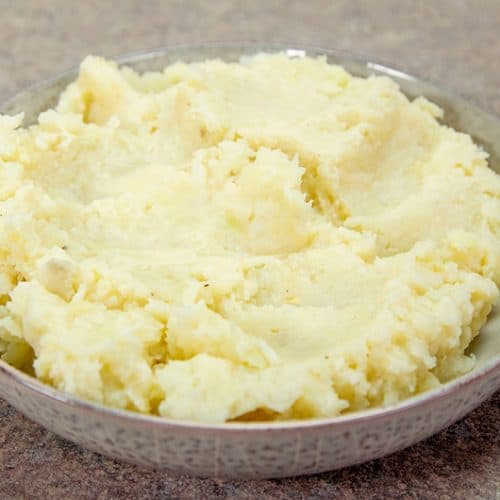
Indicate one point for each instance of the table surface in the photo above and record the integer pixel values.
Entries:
(453, 42)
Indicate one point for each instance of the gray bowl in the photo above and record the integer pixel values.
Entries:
(271, 449)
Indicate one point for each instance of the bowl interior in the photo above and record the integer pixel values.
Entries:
(459, 114)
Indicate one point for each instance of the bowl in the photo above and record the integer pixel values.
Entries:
(270, 449)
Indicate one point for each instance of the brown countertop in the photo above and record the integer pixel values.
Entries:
(454, 42)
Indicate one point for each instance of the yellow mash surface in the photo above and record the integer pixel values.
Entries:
(268, 239)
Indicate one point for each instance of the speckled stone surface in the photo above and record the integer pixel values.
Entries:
(454, 42)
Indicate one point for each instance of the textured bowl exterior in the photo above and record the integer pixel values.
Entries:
(256, 450)
(246, 450)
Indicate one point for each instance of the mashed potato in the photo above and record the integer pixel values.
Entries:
(273, 239)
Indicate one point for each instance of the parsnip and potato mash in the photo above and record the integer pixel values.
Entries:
(272, 239)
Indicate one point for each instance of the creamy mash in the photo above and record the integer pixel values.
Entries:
(272, 239)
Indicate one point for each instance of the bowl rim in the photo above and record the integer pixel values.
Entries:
(372, 415)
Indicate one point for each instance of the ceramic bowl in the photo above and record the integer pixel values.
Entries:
(264, 450)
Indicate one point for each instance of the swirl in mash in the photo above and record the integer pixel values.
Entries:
(272, 239)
